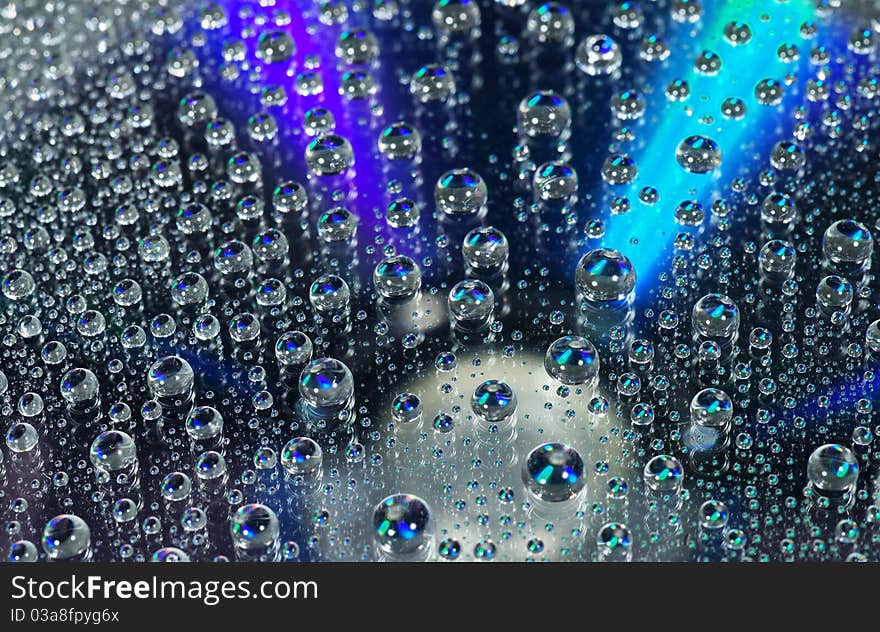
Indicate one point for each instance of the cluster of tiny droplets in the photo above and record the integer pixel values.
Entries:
(431, 281)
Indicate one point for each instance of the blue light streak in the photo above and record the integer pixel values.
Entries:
(646, 234)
